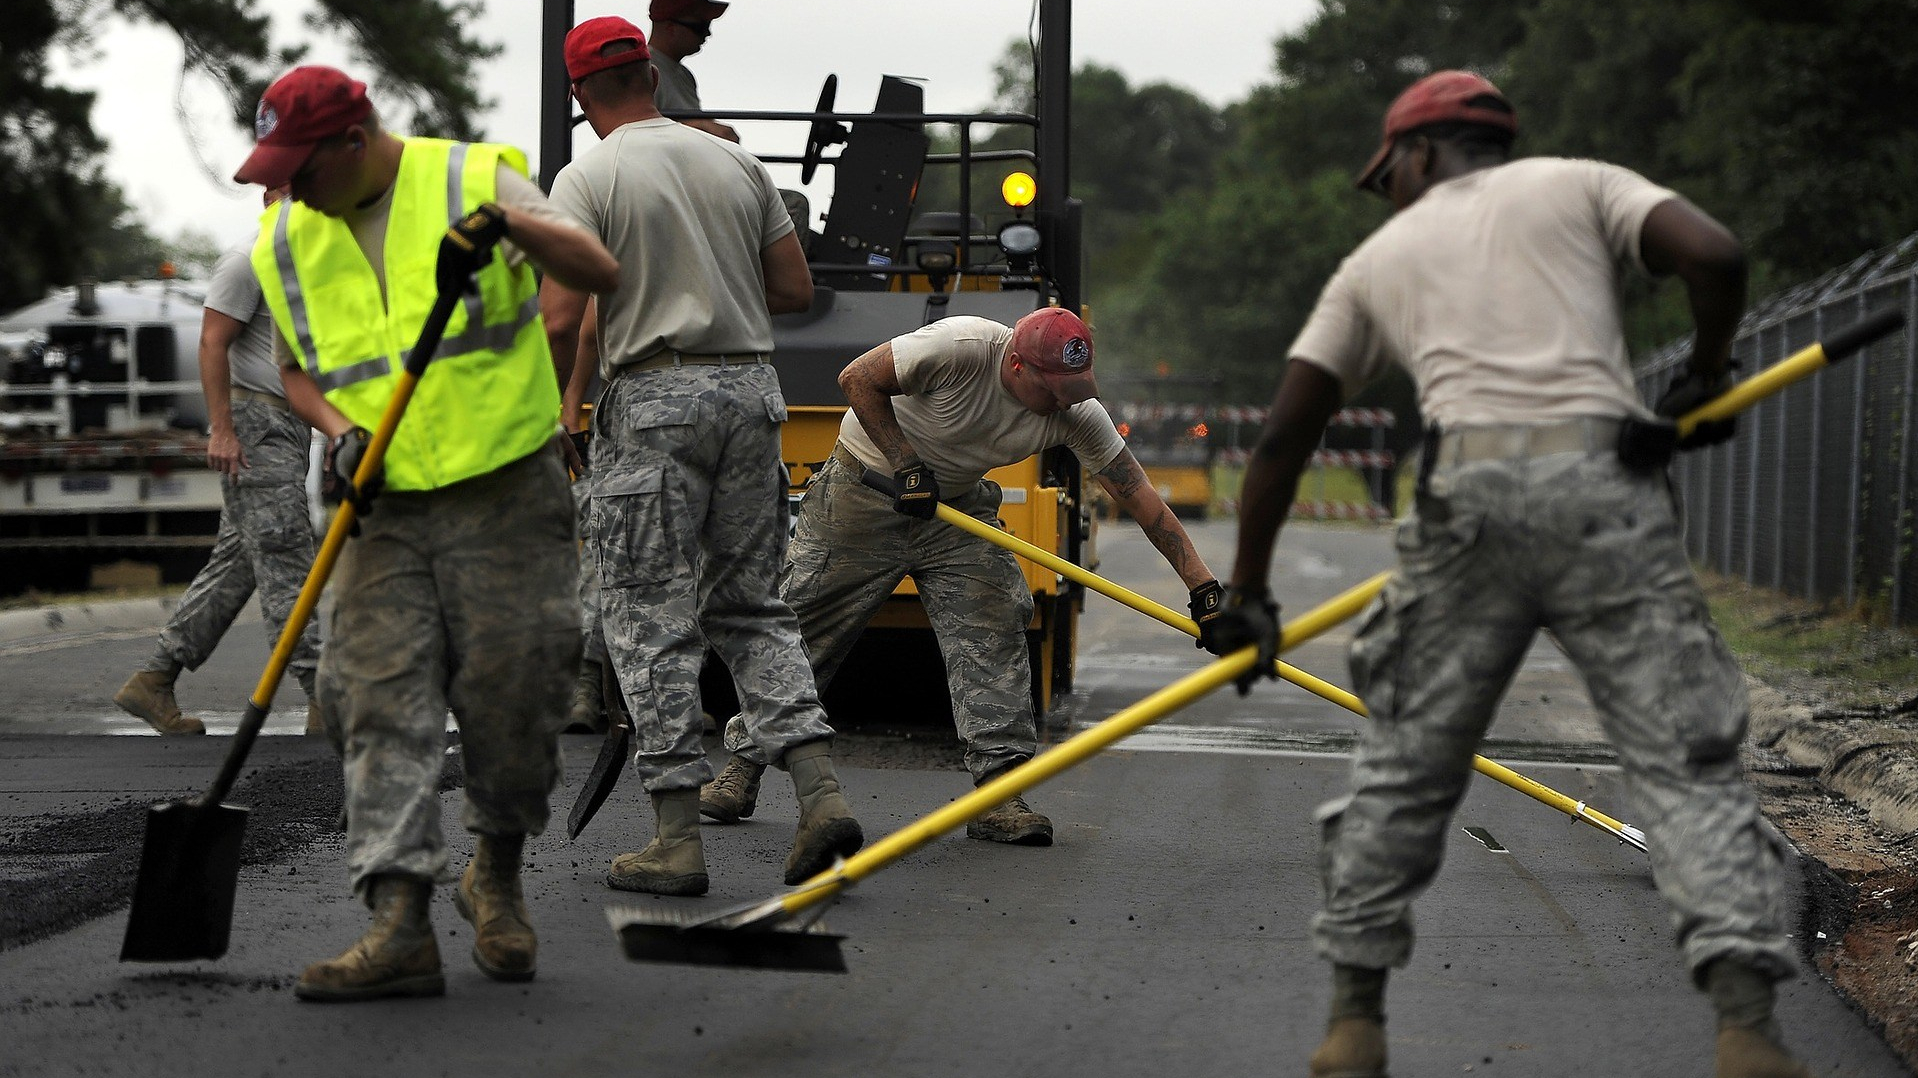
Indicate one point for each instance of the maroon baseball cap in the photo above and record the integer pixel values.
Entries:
(302, 107)
(686, 9)
(1441, 97)
(1058, 345)
(585, 42)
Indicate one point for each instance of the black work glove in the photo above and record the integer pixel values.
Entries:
(1248, 617)
(1206, 604)
(1688, 393)
(915, 491)
(343, 455)
(467, 247)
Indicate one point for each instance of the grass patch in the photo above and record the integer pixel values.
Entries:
(1783, 637)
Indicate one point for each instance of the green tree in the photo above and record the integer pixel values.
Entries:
(68, 221)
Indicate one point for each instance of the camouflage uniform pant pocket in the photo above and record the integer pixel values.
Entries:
(630, 529)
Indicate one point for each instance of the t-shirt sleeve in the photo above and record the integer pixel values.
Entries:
(775, 223)
(235, 290)
(520, 195)
(925, 358)
(1091, 435)
(1339, 336)
(1623, 199)
(283, 352)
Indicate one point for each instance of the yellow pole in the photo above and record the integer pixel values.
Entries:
(1324, 689)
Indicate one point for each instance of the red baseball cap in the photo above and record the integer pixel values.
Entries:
(1441, 97)
(302, 107)
(1058, 345)
(686, 9)
(585, 42)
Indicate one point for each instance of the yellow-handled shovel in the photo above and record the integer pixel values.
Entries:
(190, 860)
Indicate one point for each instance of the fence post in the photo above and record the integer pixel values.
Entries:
(1857, 448)
(1778, 490)
(1755, 434)
(1812, 499)
(1898, 545)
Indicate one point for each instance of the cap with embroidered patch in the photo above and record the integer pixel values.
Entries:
(302, 108)
(1056, 343)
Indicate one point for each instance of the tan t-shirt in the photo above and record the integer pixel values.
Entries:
(1498, 291)
(961, 417)
(686, 215)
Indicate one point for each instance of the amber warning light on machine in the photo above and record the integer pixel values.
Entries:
(1018, 189)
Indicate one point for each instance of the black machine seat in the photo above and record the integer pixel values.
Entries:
(874, 180)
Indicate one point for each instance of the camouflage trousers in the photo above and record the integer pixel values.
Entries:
(1496, 550)
(688, 526)
(849, 552)
(265, 543)
(461, 599)
(592, 641)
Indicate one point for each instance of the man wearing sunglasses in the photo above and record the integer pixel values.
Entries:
(1539, 505)
(680, 29)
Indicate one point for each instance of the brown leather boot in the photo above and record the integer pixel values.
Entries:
(489, 897)
(148, 695)
(674, 862)
(398, 956)
(827, 830)
(734, 794)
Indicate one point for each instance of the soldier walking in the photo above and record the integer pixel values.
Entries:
(265, 541)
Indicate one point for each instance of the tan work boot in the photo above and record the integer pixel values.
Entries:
(674, 862)
(1748, 1039)
(398, 956)
(315, 725)
(1354, 1047)
(587, 714)
(827, 830)
(1014, 823)
(149, 695)
(489, 897)
(1747, 1052)
(732, 796)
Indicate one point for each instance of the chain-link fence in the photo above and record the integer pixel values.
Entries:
(1817, 494)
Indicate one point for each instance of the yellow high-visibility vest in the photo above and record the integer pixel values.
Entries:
(490, 396)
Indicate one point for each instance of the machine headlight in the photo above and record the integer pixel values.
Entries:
(1018, 189)
(1019, 239)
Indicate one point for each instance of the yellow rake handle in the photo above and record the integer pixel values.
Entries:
(1793, 368)
(1324, 689)
(1067, 754)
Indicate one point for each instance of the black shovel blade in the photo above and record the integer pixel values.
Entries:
(665, 936)
(601, 780)
(189, 873)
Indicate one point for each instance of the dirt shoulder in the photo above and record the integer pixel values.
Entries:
(1833, 756)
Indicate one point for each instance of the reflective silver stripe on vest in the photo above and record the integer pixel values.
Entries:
(497, 338)
(455, 209)
(295, 295)
(351, 373)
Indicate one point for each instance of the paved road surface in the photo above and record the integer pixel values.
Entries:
(1164, 933)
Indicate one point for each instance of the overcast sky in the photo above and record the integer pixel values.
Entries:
(764, 54)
